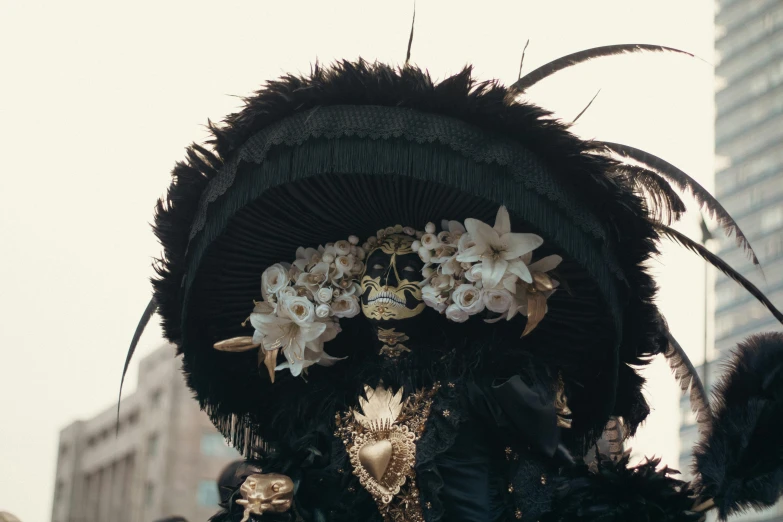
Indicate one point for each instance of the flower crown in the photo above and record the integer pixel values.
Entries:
(468, 269)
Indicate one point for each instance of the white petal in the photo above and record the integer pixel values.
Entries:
(481, 233)
(545, 264)
(493, 271)
(472, 254)
(502, 221)
(517, 245)
(311, 331)
(519, 269)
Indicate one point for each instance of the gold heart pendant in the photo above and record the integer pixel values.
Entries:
(375, 458)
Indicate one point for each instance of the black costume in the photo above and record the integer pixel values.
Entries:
(499, 423)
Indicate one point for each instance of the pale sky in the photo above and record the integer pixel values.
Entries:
(98, 100)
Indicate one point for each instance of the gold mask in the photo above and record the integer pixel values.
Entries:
(390, 284)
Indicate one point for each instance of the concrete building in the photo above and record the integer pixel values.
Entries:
(163, 462)
(748, 181)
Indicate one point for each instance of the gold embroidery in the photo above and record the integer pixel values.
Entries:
(392, 340)
(266, 493)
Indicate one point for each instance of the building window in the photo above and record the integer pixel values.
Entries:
(207, 494)
(152, 445)
(214, 445)
(149, 494)
(155, 398)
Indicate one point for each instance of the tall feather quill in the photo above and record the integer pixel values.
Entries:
(143, 322)
(688, 379)
(663, 202)
(720, 264)
(687, 184)
(554, 66)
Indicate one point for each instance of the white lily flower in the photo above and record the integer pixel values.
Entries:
(433, 298)
(304, 257)
(499, 249)
(275, 332)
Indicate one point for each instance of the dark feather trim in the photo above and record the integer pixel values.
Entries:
(688, 379)
(586, 107)
(554, 66)
(721, 265)
(663, 203)
(686, 183)
(741, 460)
(610, 491)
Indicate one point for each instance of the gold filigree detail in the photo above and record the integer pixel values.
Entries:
(380, 439)
(266, 493)
(392, 340)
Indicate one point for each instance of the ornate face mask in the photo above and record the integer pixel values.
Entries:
(390, 289)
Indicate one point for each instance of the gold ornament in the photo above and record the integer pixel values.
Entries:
(266, 493)
(392, 342)
(380, 438)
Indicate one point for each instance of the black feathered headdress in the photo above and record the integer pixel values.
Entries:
(358, 147)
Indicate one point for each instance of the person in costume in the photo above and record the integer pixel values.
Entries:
(416, 301)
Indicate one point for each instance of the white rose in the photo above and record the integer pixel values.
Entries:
(345, 306)
(323, 310)
(274, 279)
(344, 264)
(299, 309)
(324, 295)
(398, 229)
(409, 231)
(358, 267)
(361, 252)
(416, 245)
(425, 255)
(474, 273)
(328, 258)
(389, 231)
(468, 298)
(353, 240)
(342, 248)
(433, 298)
(430, 228)
(456, 314)
(430, 241)
(427, 272)
(498, 300)
(288, 291)
(372, 241)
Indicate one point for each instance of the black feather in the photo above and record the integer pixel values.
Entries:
(663, 202)
(554, 66)
(688, 379)
(522, 60)
(740, 460)
(721, 265)
(685, 183)
(610, 491)
(586, 107)
(410, 38)
(143, 322)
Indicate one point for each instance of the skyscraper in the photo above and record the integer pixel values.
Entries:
(748, 180)
(163, 462)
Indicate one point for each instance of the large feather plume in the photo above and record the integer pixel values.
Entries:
(609, 491)
(740, 460)
(564, 62)
(685, 183)
(688, 379)
(721, 265)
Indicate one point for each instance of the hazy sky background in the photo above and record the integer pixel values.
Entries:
(98, 100)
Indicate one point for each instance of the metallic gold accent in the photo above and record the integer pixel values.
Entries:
(392, 340)
(511, 488)
(236, 344)
(380, 440)
(446, 413)
(518, 514)
(561, 405)
(543, 480)
(270, 361)
(266, 493)
(452, 385)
